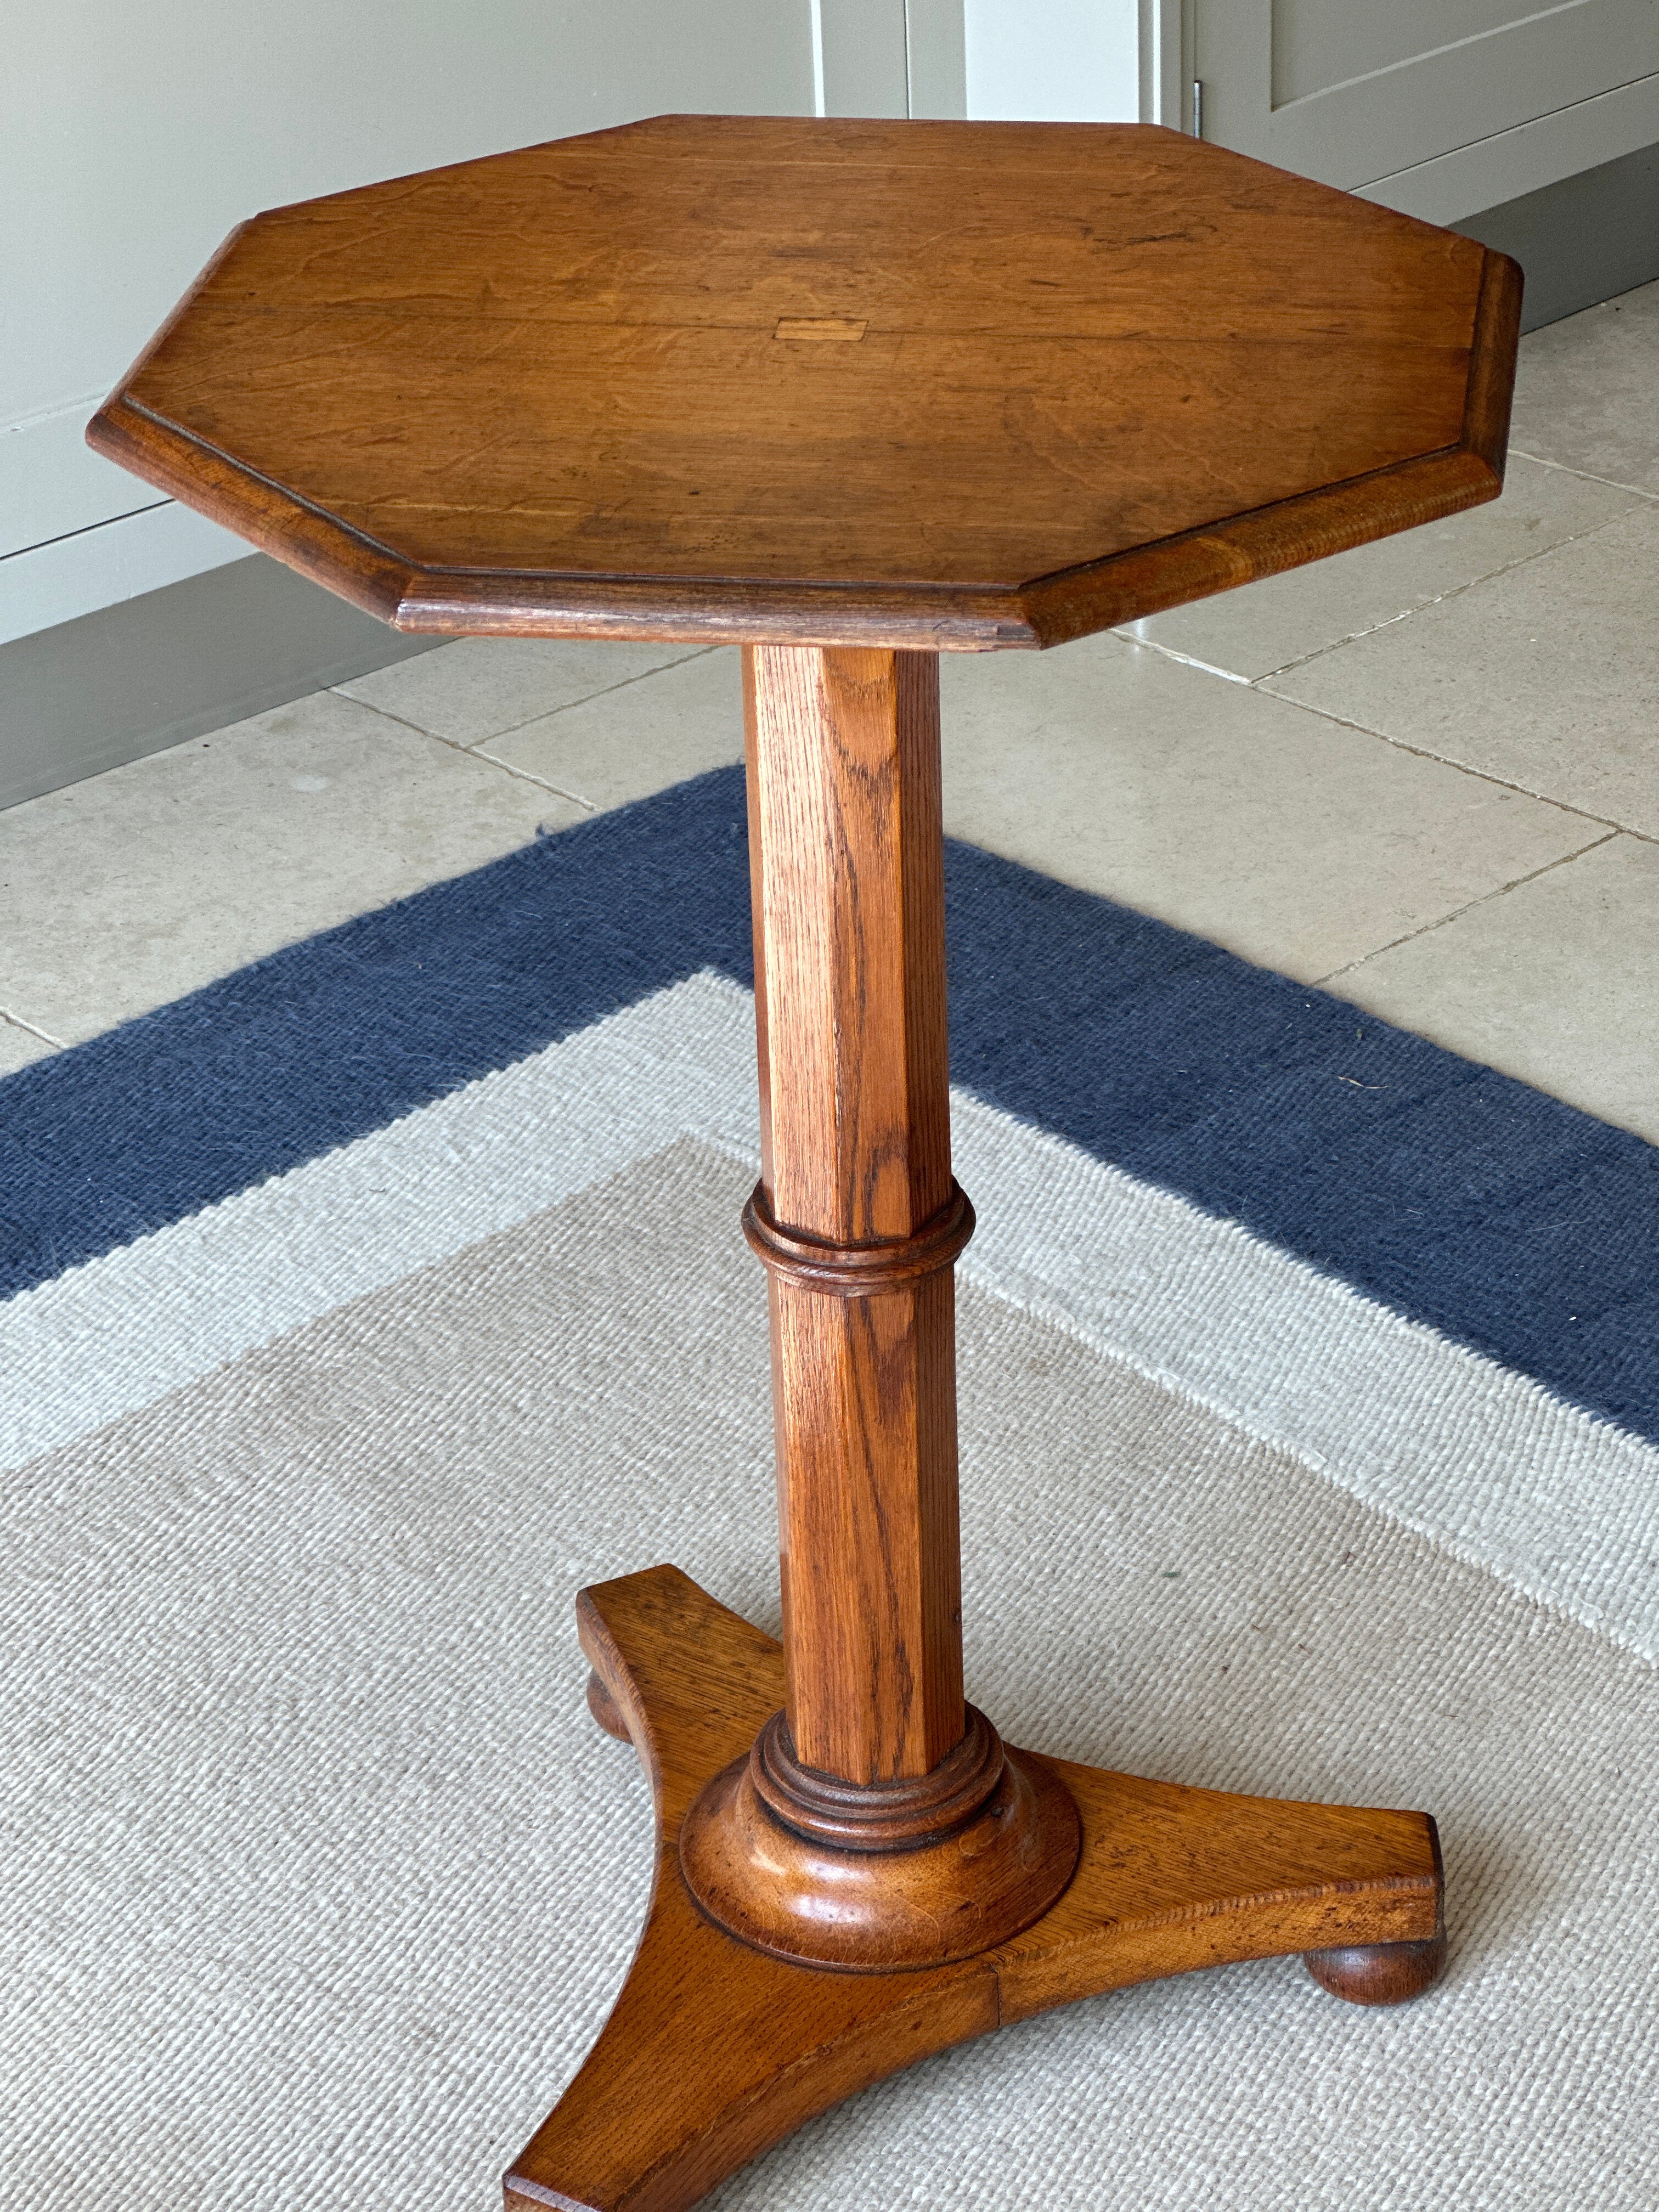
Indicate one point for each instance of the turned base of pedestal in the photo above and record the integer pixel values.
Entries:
(716, 2048)
(925, 1877)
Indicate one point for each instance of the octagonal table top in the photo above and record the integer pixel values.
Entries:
(912, 384)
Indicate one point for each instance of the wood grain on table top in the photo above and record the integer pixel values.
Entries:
(737, 374)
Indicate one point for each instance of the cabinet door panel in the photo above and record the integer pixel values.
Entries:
(1349, 90)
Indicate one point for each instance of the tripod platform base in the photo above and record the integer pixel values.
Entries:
(715, 2050)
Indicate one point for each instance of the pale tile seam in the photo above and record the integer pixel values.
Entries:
(17, 1022)
(449, 745)
(1256, 683)
(1588, 475)
(576, 799)
(1452, 591)
(1501, 891)
(1127, 630)
(511, 728)
(1187, 660)
(1418, 752)
(698, 652)
(1387, 622)
(1462, 767)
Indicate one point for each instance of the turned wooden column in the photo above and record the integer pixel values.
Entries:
(878, 1820)
(847, 861)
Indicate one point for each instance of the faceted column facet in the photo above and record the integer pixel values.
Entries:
(847, 855)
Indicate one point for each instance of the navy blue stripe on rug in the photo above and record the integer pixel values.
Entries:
(1458, 1196)
(328, 1039)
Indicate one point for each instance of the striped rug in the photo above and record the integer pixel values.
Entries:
(362, 1305)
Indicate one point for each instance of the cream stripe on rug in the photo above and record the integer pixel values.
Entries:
(1470, 1454)
(320, 1879)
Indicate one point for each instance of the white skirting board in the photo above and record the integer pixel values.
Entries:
(112, 562)
(77, 533)
(1513, 163)
(155, 669)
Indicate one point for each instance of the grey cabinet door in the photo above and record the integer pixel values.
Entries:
(1352, 90)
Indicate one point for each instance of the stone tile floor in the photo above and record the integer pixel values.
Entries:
(1424, 774)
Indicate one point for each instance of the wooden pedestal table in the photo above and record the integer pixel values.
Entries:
(850, 394)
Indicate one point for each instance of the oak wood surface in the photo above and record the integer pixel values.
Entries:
(875, 1823)
(912, 384)
(1380, 1974)
(714, 2051)
(859, 1901)
(603, 1709)
(847, 861)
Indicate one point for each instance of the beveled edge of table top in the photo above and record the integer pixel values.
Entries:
(1044, 611)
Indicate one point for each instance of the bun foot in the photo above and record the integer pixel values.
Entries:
(605, 1711)
(1379, 1974)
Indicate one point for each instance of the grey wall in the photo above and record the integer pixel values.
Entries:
(1583, 239)
(194, 656)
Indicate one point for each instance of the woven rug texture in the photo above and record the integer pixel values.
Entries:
(357, 1309)
(321, 1879)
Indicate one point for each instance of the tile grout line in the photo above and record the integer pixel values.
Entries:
(1462, 767)
(1191, 660)
(1349, 637)
(1453, 592)
(1207, 668)
(1585, 475)
(1416, 752)
(1457, 913)
(17, 1022)
(466, 752)
(1129, 631)
(491, 737)
(700, 653)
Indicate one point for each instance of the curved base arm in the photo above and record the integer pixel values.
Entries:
(716, 2051)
